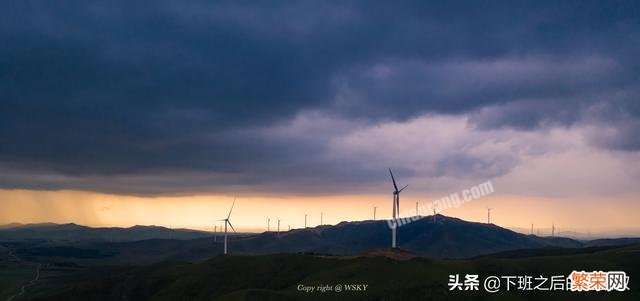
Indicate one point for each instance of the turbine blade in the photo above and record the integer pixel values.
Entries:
(405, 186)
(393, 179)
(234, 202)
(230, 225)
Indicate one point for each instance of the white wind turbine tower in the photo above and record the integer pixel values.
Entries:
(321, 216)
(278, 226)
(268, 224)
(374, 212)
(417, 210)
(489, 215)
(396, 208)
(305, 220)
(227, 222)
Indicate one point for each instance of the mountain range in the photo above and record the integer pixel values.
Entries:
(77, 233)
(442, 237)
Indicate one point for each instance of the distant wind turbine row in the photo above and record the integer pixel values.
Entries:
(395, 209)
(305, 221)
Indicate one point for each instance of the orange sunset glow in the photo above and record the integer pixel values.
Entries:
(202, 211)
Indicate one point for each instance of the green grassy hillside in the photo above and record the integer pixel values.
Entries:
(277, 277)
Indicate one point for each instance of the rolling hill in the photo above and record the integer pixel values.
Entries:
(447, 237)
(77, 233)
(278, 277)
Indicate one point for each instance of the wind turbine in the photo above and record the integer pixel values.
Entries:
(374, 212)
(278, 226)
(417, 209)
(396, 208)
(215, 233)
(321, 216)
(268, 224)
(305, 220)
(227, 222)
(531, 228)
(553, 229)
(489, 215)
(434, 215)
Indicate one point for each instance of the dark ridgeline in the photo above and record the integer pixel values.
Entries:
(447, 237)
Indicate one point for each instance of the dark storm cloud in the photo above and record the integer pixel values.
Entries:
(100, 89)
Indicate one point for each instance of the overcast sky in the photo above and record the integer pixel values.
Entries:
(192, 97)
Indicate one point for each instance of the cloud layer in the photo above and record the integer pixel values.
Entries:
(168, 97)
